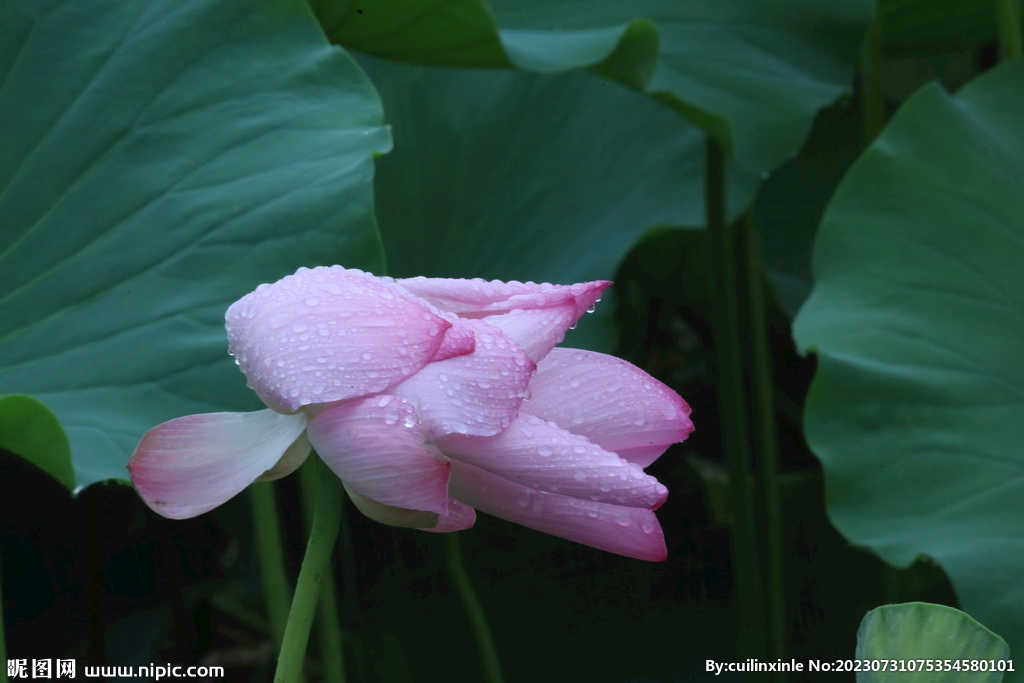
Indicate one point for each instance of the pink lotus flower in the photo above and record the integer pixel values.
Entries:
(430, 398)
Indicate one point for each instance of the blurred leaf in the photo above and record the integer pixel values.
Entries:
(750, 72)
(917, 314)
(514, 176)
(28, 428)
(792, 201)
(442, 32)
(919, 630)
(930, 27)
(158, 161)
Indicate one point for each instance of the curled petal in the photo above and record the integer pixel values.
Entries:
(458, 339)
(192, 464)
(478, 393)
(460, 516)
(537, 330)
(629, 531)
(613, 403)
(391, 515)
(330, 334)
(290, 461)
(478, 298)
(377, 446)
(541, 455)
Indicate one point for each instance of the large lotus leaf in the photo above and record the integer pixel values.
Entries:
(917, 314)
(751, 72)
(508, 175)
(158, 161)
(924, 27)
(900, 636)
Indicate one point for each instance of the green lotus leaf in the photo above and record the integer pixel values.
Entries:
(30, 429)
(750, 72)
(917, 315)
(903, 635)
(157, 162)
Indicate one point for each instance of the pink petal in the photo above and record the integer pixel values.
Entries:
(537, 330)
(292, 460)
(613, 403)
(477, 298)
(477, 393)
(460, 516)
(390, 515)
(192, 464)
(330, 334)
(629, 531)
(541, 455)
(378, 448)
(458, 339)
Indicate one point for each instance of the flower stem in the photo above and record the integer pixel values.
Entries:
(748, 591)
(1008, 26)
(766, 448)
(322, 536)
(327, 611)
(477, 618)
(872, 104)
(270, 554)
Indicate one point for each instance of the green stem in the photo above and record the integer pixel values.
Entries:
(477, 619)
(731, 391)
(329, 630)
(766, 440)
(270, 553)
(872, 103)
(326, 522)
(1008, 26)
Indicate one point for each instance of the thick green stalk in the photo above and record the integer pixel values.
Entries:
(1008, 26)
(872, 104)
(477, 618)
(329, 626)
(766, 446)
(748, 590)
(326, 522)
(270, 553)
